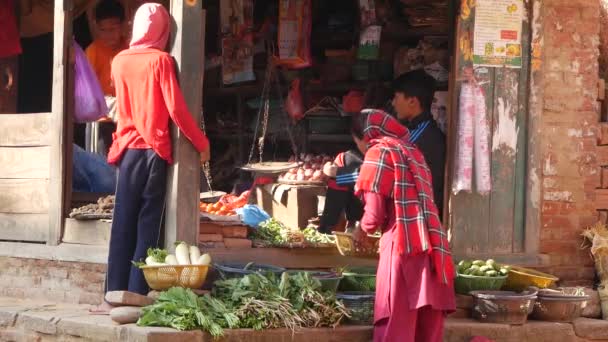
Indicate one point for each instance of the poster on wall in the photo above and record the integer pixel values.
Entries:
(236, 17)
(497, 35)
(369, 43)
(295, 24)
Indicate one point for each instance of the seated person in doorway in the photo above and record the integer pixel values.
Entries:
(109, 41)
(413, 96)
(340, 197)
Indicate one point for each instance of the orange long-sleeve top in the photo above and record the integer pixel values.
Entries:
(148, 95)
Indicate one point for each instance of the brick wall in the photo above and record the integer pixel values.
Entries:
(569, 134)
(70, 282)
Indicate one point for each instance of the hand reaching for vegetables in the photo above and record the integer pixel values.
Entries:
(330, 169)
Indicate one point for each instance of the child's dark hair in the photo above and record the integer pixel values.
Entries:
(108, 9)
(357, 125)
(418, 84)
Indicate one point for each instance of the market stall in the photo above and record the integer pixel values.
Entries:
(280, 90)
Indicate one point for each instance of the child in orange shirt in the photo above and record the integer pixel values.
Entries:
(109, 41)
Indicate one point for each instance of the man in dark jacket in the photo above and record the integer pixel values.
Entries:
(413, 95)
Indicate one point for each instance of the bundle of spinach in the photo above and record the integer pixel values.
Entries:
(182, 309)
(277, 234)
(255, 301)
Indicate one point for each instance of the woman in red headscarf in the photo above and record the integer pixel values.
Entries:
(414, 286)
(148, 98)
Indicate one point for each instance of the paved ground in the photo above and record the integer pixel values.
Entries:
(23, 320)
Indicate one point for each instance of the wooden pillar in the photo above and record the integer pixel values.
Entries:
(62, 88)
(182, 218)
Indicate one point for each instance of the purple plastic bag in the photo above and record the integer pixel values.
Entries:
(89, 101)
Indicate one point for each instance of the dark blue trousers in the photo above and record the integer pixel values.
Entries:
(138, 215)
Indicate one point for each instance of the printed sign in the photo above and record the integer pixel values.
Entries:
(497, 35)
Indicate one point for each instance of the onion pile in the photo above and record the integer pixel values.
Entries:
(310, 169)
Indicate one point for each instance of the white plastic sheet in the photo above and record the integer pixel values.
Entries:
(473, 148)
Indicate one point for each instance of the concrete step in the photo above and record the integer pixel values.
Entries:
(31, 321)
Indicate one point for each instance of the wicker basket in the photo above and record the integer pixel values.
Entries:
(367, 247)
(160, 278)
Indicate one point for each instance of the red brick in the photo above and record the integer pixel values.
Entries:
(602, 216)
(602, 139)
(604, 177)
(211, 238)
(568, 208)
(560, 247)
(602, 155)
(550, 208)
(587, 221)
(209, 245)
(209, 228)
(235, 232)
(237, 243)
(601, 199)
(556, 222)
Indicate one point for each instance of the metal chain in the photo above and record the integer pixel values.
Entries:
(265, 95)
(206, 166)
(264, 128)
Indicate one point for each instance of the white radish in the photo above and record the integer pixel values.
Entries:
(195, 253)
(171, 260)
(204, 259)
(151, 262)
(300, 177)
(182, 253)
(317, 174)
(308, 173)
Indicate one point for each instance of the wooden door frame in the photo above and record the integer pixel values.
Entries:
(183, 182)
(527, 191)
(61, 118)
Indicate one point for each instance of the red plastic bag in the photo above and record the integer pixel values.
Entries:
(353, 101)
(294, 105)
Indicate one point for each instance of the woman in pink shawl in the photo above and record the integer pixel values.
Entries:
(414, 286)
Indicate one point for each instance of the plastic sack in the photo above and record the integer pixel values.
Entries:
(463, 177)
(294, 105)
(472, 149)
(353, 102)
(89, 100)
(252, 215)
(483, 179)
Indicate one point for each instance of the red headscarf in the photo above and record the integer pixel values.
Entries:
(151, 27)
(395, 168)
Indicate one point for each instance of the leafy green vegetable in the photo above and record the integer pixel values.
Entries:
(138, 264)
(277, 234)
(157, 254)
(255, 301)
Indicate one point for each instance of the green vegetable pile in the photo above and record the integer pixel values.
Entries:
(255, 301)
(488, 268)
(277, 234)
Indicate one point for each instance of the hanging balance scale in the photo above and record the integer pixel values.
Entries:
(209, 196)
(269, 167)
